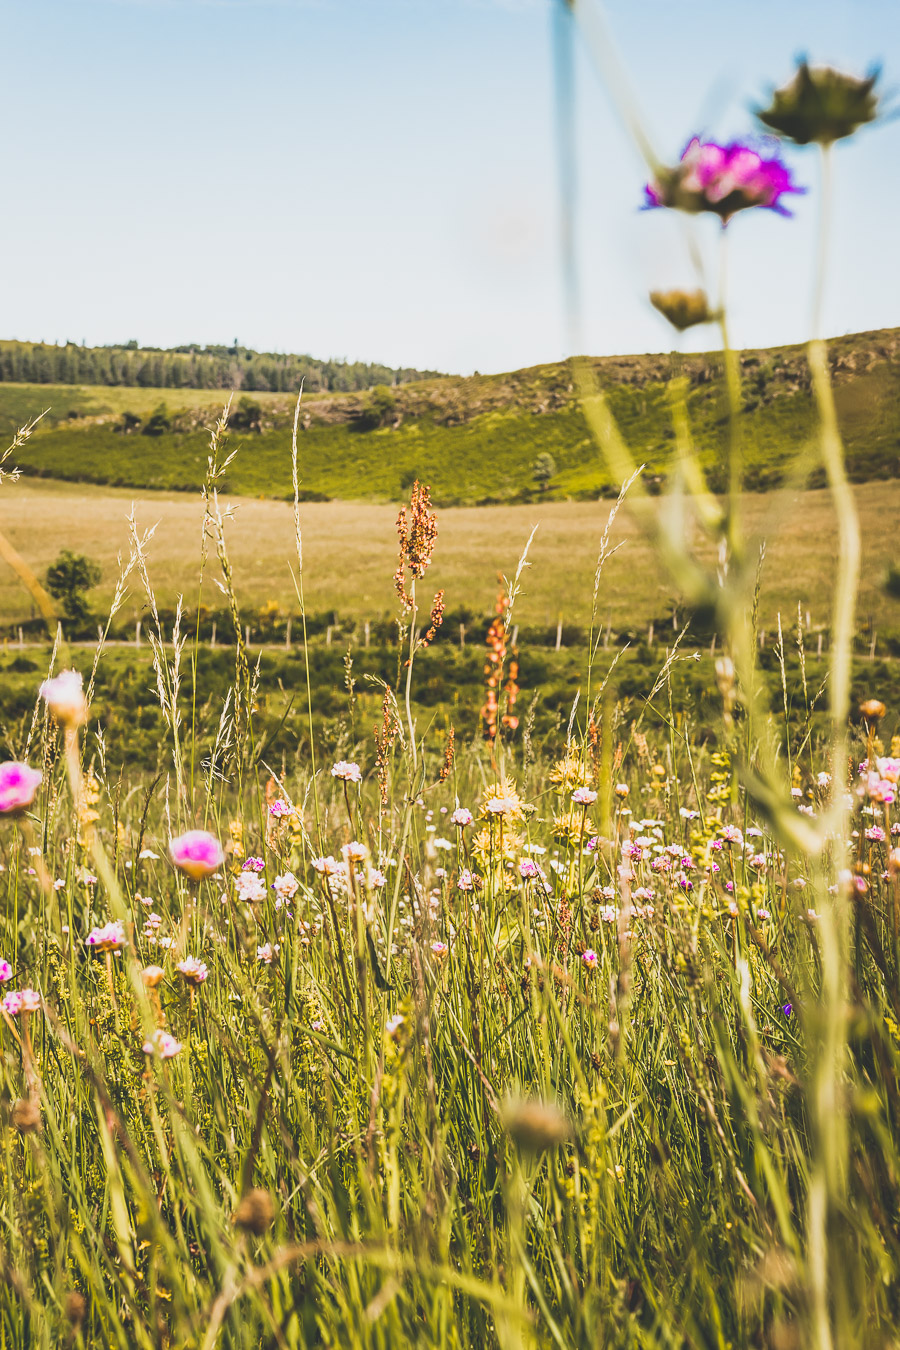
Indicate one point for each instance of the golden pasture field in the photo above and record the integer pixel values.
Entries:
(349, 552)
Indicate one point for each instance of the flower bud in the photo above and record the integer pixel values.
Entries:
(683, 309)
(872, 710)
(535, 1126)
(821, 104)
(255, 1212)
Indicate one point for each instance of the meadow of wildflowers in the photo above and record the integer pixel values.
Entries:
(473, 1043)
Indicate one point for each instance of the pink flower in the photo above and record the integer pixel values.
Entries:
(722, 179)
(466, 881)
(584, 796)
(5, 972)
(589, 957)
(461, 817)
(347, 772)
(163, 1044)
(529, 869)
(196, 853)
(108, 938)
(250, 887)
(18, 784)
(253, 864)
(64, 696)
(265, 953)
(21, 1001)
(286, 886)
(193, 970)
(279, 808)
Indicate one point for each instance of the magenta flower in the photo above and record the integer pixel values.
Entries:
(198, 853)
(722, 179)
(21, 1000)
(18, 784)
(589, 957)
(5, 972)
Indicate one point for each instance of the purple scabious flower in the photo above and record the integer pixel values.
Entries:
(721, 179)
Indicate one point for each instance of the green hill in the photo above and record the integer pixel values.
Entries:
(474, 439)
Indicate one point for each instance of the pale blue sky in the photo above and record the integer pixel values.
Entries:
(376, 179)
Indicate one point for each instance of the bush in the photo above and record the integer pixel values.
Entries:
(69, 579)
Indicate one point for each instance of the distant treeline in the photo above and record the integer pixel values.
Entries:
(190, 367)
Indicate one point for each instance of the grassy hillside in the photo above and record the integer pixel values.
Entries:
(473, 439)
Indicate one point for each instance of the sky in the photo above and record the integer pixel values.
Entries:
(379, 179)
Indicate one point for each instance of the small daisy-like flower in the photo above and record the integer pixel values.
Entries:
(354, 852)
(193, 970)
(347, 771)
(439, 949)
(461, 817)
(250, 887)
(583, 796)
(18, 785)
(589, 957)
(163, 1044)
(286, 886)
(326, 867)
(110, 937)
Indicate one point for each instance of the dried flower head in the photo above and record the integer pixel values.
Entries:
(822, 105)
(417, 532)
(436, 618)
(721, 179)
(872, 710)
(152, 975)
(449, 748)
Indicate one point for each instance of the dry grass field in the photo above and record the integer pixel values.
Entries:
(349, 552)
